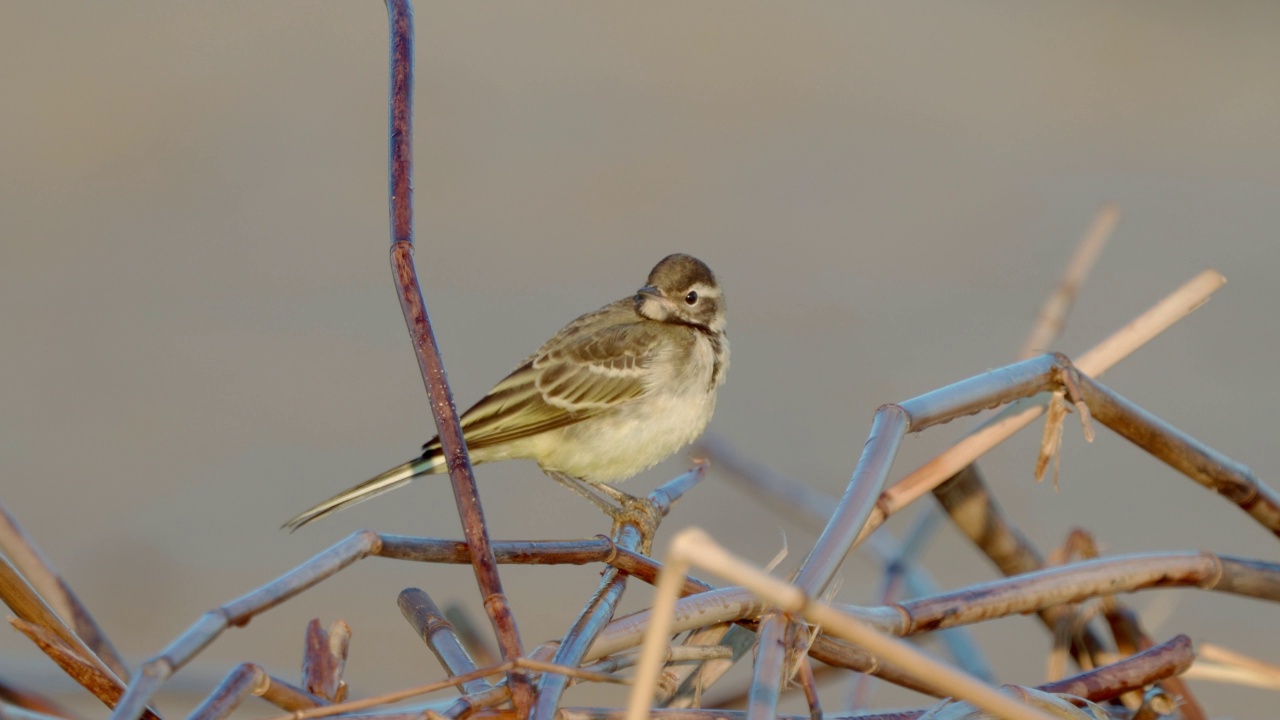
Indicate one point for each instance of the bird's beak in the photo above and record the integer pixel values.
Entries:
(651, 304)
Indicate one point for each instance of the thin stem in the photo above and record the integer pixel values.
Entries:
(430, 363)
(430, 624)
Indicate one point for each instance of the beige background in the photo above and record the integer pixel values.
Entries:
(198, 336)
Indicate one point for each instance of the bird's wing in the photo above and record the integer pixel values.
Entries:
(579, 374)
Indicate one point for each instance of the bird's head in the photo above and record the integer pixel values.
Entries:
(682, 289)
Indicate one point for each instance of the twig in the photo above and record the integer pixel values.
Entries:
(9, 711)
(675, 654)
(93, 678)
(427, 620)
(810, 686)
(430, 363)
(22, 551)
(1158, 663)
(1053, 314)
(973, 509)
(468, 704)
(324, 660)
(688, 683)
(29, 699)
(1156, 703)
(250, 679)
(1192, 458)
(1219, 663)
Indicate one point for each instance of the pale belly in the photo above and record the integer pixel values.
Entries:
(628, 441)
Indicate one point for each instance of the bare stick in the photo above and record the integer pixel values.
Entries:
(468, 704)
(27, 699)
(104, 686)
(21, 549)
(250, 679)
(1219, 663)
(1053, 314)
(689, 682)
(324, 659)
(9, 711)
(675, 654)
(1160, 662)
(352, 706)
(810, 686)
(452, 443)
(524, 552)
(1192, 458)
(31, 608)
(427, 620)
(695, 546)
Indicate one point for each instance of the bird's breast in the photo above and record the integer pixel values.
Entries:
(637, 435)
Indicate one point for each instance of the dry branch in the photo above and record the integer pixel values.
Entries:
(452, 443)
(21, 550)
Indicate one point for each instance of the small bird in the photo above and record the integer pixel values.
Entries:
(612, 394)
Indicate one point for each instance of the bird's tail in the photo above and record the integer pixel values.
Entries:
(399, 475)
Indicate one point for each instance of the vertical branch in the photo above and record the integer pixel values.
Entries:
(428, 352)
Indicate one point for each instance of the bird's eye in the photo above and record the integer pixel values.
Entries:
(691, 298)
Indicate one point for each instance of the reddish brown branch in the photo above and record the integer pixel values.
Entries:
(324, 660)
(428, 352)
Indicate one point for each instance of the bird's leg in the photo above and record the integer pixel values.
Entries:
(630, 509)
(578, 487)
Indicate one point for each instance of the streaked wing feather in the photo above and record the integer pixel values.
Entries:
(583, 375)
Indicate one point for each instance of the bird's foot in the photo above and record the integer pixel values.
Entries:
(640, 512)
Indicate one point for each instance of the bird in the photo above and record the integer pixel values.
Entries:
(613, 393)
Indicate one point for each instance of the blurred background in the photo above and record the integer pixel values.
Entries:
(199, 336)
